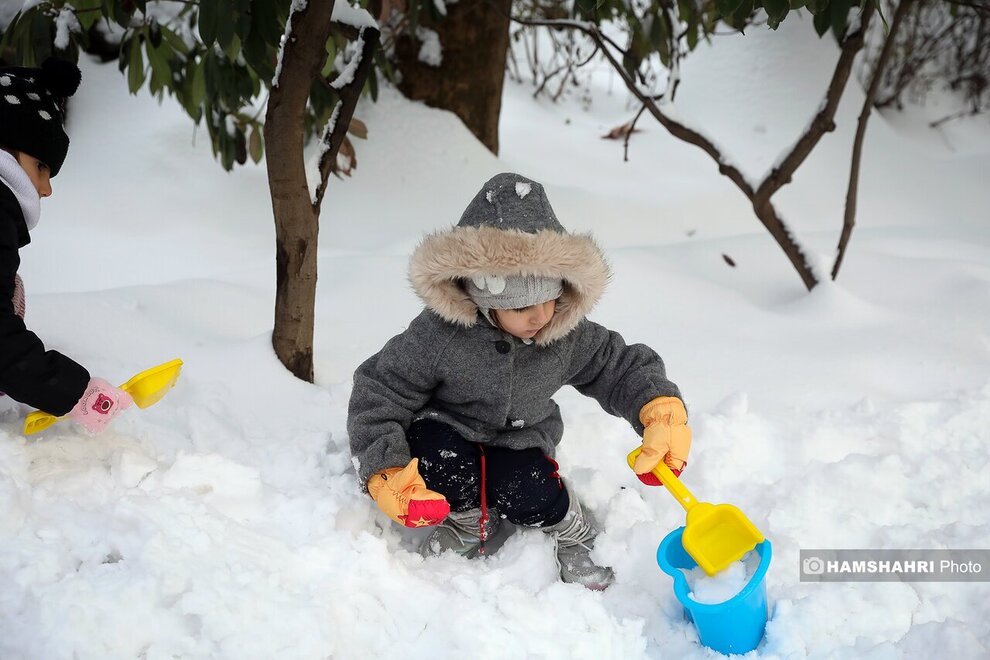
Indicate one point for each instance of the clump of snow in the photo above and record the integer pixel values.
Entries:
(430, 50)
(725, 584)
(522, 189)
(65, 24)
(353, 15)
(490, 196)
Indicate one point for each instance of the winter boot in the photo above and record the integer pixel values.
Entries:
(460, 532)
(574, 537)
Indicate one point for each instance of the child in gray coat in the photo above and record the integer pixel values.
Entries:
(452, 423)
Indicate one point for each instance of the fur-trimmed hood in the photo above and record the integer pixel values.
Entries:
(509, 228)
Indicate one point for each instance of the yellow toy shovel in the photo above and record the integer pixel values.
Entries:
(146, 388)
(716, 534)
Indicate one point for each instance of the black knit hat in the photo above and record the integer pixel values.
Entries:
(32, 109)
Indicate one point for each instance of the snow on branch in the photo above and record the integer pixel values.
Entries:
(297, 6)
(355, 17)
(348, 85)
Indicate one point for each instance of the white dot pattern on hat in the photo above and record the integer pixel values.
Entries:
(33, 96)
(5, 81)
(44, 115)
(13, 100)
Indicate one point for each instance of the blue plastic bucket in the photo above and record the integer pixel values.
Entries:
(734, 626)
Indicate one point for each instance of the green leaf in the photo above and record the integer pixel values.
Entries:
(256, 145)
(798, 4)
(776, 8)
(728, 7)
(373, 84)
(209, 20)
(822, 23)
(225, 28)
(174, 41)
(7, 35)
(776, 11)
(742, 15)
(692, 38)
(242, 18)
(135, 67)
(158, 58)
(817, 7)
(198, 86)
(87, 13)
(233, 49)
(41, 37)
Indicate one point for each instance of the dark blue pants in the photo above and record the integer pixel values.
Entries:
(521, 485)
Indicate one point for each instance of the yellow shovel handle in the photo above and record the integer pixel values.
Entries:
(673, 484)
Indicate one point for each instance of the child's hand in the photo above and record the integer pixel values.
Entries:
(402, 494)
(667, 437)
(99, 404)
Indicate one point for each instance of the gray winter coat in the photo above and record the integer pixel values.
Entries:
(453, 366)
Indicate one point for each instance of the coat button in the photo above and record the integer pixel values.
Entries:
(502, 347)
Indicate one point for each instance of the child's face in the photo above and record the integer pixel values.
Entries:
(524, 323)
(38, 172)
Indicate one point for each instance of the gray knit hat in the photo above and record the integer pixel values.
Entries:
(513, 291)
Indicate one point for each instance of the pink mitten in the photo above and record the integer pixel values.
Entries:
(99, 404)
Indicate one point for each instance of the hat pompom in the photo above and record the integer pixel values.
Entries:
(60, 77)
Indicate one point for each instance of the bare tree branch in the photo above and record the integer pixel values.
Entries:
(632, 129)
(349, 94)
(849, 218)
(824, 121)
(673, 127)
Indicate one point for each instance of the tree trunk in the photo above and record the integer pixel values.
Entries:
(475, 39)
(296, 217)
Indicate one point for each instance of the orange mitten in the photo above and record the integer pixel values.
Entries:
(402, 494)
(667, 438)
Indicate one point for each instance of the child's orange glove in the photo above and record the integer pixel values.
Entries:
(402, 494)
(667, 437)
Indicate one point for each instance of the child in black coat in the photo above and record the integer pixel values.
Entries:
(33, 146)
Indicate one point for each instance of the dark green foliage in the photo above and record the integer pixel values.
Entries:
(215, 57)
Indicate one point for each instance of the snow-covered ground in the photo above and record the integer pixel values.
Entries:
(226, 521)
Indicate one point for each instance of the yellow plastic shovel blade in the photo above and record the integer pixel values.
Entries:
(146, 388)
(714, 535)
(717, 535)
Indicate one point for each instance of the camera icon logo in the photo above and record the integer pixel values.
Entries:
(813, 566)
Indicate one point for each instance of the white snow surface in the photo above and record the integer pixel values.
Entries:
(226, 521)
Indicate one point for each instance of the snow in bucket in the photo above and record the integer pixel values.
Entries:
(724, 585)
